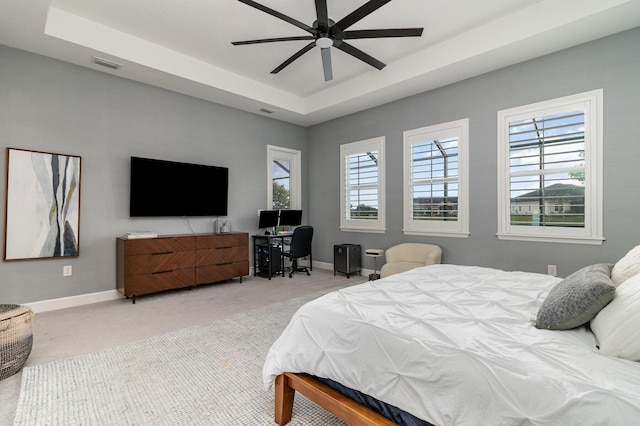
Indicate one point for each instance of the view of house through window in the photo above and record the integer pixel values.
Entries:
(550, 170)
(547, 170)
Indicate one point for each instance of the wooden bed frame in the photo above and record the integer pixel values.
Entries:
(330, 399)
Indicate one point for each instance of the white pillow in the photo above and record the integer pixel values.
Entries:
(626, 267)
(616, 325)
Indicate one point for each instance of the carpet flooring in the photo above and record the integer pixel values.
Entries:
(201, 375)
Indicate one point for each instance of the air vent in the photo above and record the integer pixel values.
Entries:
(267, 111)
(105, 63)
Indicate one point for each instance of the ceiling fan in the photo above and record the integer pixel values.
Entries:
(325, 33)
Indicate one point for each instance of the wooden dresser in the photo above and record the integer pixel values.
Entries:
(177, 261)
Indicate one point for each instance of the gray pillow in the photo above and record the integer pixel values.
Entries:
(577, 299)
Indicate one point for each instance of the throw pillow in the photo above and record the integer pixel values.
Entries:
(577, 299)
(626, 267)
(616, 326)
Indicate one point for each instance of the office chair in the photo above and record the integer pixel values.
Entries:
(300, 246)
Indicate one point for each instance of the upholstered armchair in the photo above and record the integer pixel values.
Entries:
(406, 256)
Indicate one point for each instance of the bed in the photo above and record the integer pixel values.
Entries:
(455, 345)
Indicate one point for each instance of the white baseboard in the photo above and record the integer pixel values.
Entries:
(323, 265)
(319, 265)
(73, 301)
(104, 296)
(329, 266)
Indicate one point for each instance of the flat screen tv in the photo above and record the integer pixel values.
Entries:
(169, 188)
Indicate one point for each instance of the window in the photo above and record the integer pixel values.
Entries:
(550, 170)
(436, 180)
(283, 178)
(362, 186)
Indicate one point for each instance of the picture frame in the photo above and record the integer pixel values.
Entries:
(42, 217)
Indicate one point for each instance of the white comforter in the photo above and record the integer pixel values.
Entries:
(454, 345)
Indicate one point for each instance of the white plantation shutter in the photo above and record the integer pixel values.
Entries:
(362, 185)
(362, 198)
(550, 170)
(436, 180)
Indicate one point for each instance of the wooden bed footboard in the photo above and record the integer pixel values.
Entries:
(330, 399)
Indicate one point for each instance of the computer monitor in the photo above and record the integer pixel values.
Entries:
(290, 218)
(268, 219)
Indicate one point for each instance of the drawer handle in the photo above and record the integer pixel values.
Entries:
(223, 248)
(227, 263)
(161, 252)
(162, 272)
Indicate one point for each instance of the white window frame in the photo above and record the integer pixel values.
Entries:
(592, 233)
(354, 148)
(460, 227)
(295, 184)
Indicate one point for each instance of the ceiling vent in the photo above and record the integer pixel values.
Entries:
(105, 63)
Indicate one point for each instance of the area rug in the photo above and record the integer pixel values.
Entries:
(203, 375)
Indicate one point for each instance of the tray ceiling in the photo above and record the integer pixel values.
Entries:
(186, 46)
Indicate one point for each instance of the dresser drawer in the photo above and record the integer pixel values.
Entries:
(213, 273)
(159, 245)
(151, 283)
(221, 240)
(219, 255)
(153, 263)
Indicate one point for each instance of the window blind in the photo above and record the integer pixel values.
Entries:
(362, 185)
(434, 180)
(547, 170)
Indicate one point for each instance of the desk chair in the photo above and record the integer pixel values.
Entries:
(300, 246)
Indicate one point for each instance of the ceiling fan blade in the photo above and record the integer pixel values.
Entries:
(357, 53)
(278, 15)
(322, 14)
(295, 56)
(360, 13)
(326, 64)
(270, 40)
(399, 32)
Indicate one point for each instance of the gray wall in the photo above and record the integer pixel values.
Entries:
(52, 106)
(612, 63)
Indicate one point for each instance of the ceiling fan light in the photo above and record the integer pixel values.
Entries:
(324, 42)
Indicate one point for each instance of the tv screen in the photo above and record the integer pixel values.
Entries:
(290, 217)
(169, 188)
(268, 219)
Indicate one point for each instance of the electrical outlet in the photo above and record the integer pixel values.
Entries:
(67, 271)
(552, 270)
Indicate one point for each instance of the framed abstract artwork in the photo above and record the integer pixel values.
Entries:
(43, 205)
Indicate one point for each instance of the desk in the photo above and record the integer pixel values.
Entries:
(267, 255)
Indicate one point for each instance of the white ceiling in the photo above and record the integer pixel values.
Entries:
(185, 45)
